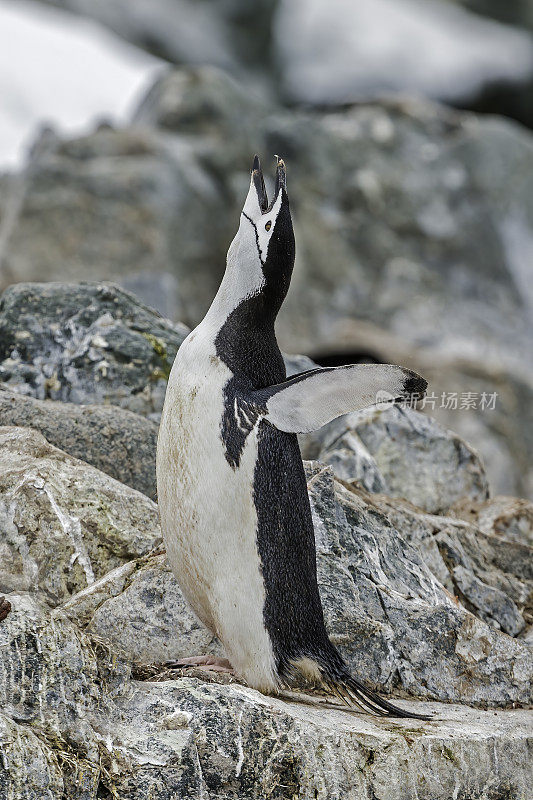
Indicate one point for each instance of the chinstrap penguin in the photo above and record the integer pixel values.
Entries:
(233, 499)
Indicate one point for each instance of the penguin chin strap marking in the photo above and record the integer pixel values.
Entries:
(250, 220)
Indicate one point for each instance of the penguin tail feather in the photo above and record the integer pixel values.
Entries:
(352, 693)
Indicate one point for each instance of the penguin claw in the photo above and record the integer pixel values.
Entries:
(206, 662)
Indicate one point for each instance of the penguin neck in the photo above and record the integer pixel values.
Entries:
(249, 303)
(245, 337)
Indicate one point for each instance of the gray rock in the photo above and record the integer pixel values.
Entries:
(352, 51)
(131, 197)
(87, 342)
(502, 429)
(507, 517)
(139, 609)
(426, 261)
(84, 729)
(350, 460)
(64, 523)
(29, 767)
(227, 33)
(489, 575)
(74, 724)
(95, 343)
(49, 674)
(232, 742)
(294, 364)
(113, 440)
(406, 454)
(420, 286)
(384, 605)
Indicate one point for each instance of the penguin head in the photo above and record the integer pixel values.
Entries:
(262, 253)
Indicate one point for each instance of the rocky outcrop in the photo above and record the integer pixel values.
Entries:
(113, 440)
(507, 517)
(64, 524)
(85, 729)
(139, 609)
(386, 576)
(402, 453)
(431, 602)
(86, 343)
(403, 264)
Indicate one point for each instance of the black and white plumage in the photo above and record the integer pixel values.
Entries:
(233, 499)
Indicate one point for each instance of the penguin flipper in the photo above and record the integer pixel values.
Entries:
(305, 402)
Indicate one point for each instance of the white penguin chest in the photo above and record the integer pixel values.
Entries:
(208, 515)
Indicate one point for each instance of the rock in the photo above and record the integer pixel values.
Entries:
(74, 724)
(425, 262)
(113, 440)
(353, 209)
(84, 730)
(130, 197)
(241, 744)
(490, 576)
(139, 609)
(87, 342)
(228, 34)
(384, 605)
(95, 343)
(346, 51)
(64, 523)
(405, 453)
(350, 460)
(505, 517)
(489, 405)
(29, 766)
(295, 364)
(49, 674)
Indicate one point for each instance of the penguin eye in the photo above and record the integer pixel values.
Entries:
(268, 225)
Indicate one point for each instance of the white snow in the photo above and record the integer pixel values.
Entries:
(345, 50)
(59, 69)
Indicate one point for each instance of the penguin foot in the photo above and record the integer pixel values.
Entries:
(207, 662)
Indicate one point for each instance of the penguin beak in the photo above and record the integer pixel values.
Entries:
(281, 176)
(259, 182)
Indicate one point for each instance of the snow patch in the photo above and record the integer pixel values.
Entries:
(64, 71)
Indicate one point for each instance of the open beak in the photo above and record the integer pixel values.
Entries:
(259, 182)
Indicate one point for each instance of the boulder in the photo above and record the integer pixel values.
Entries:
(402, 453)
(138, 608)
(506, 517)
(385, 606)
(349, 460)
(110, 438)
(74, 724)
(412, 221)
(187, 739)
(86, 343)
(64, 523)
(488, 574)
